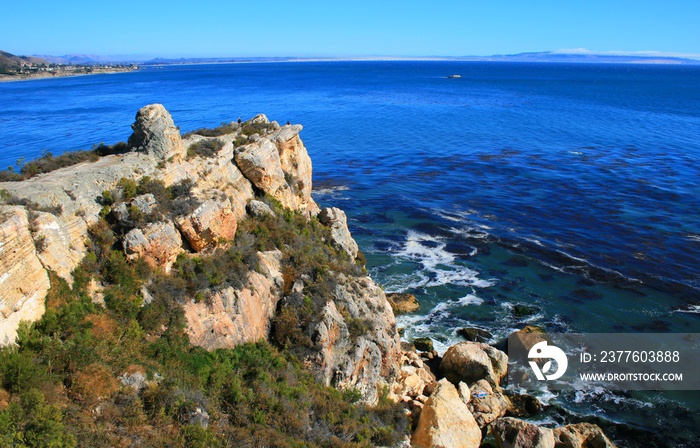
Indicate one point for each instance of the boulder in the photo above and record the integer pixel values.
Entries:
(581, 435)
(213, 221)
(487, 403)
(423, 344)
(260, 163)
(472, 361)
(522, 340)
(144, 204)
(156, 134)
(445, 421)
(335, 218)
(475, 334)
(158, 244)
(511, 432)
(259, 209)
(403, 303)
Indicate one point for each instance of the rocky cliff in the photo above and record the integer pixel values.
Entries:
(219, 179)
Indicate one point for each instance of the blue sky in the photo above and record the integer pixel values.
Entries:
(310, 28)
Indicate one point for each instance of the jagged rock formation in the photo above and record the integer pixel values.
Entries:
(222, 191)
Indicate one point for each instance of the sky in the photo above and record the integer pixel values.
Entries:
(328, 28)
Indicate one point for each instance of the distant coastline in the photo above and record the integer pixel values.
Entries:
(68, 71)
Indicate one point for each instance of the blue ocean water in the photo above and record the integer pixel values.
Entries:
(571, 189)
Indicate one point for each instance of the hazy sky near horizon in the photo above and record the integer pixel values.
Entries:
(310, 28)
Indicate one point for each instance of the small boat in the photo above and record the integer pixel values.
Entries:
(454, 76)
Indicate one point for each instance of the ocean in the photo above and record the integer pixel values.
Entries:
(560, 195)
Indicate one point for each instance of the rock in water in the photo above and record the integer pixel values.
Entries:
(445, 421)
(155, 133)
(403, 303)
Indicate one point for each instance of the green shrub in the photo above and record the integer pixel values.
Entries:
(225, 128)
(205, 148)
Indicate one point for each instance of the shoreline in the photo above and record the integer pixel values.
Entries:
(47, 75)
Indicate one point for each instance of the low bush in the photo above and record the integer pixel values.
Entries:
(48, 162)
(224, 129)
(205, 148)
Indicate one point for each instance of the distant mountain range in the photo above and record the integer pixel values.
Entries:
(591, 57)
(570, 56)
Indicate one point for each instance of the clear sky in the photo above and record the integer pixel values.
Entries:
(310, 28)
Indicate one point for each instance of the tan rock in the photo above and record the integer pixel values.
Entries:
(403, 303)
(511, 432)
(54, 245)
(365, 362)
(445, 421)
(296, 163)
(231, 317)
(158, 244)
(212, 222)
(472, 361)
(156, 134)
(261, 165)
(487, 403)
(23, 280)
(336, 219)
(581, 435)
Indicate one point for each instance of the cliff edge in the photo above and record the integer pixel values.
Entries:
(179, 201)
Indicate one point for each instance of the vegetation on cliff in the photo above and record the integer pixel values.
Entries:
(125, 374)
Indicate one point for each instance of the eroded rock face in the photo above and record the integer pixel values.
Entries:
(158, 244)
(365, 361)
(234, 316)
(336, 219)
(53, 245)
(296, 163)
(211, 222)
(156, 134)
(445, 421)
(23, 280)
(473, 361)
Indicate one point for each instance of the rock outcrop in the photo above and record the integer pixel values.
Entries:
(233, 316)
(55, 240)
(159, 244)
(155, 133)
(336, 219)
(357, 361)
(445, 421)
(354, 337)
(212, 222)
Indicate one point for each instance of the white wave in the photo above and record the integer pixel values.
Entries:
(469, 232)
(692, 309)
(692, 237)
(439, 267)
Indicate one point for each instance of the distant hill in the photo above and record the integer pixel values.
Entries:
(10, 64)
(592, 57)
